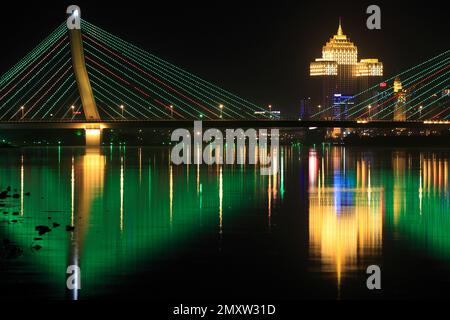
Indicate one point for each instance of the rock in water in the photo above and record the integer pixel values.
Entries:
(42, 230)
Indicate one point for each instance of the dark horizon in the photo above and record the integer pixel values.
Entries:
(261, 53)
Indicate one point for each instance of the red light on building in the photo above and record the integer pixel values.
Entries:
(383, 85)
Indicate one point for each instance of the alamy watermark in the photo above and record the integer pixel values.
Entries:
(374, 20)
(74, 19)
(74, 278)
(374, 280)
(231, 149)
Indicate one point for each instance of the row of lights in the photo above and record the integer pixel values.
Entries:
(221, 106)
(122, 109)
(436, 122)
(22, 110)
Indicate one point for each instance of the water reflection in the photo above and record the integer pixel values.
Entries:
(399, 168)
(132, 209)
(434, 174)
(345, 212)
(88, 182)
(421, 201)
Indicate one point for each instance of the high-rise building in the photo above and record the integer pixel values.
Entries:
(341, 75)
(306, 109)
(400, 96)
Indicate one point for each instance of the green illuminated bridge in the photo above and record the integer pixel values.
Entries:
(91, 79)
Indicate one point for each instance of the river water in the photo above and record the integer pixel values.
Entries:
(145, 229)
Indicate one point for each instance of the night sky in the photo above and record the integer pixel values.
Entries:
(260, 51)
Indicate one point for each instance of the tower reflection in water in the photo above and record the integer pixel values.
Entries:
(131, 208)
(88, 173)
(345, 212)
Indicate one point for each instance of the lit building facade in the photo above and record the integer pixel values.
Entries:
(400, 96)
(340, 74)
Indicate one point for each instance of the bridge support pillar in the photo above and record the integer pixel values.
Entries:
(93, 136)
(82, 77)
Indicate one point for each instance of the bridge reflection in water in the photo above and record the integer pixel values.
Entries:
(131, 210)
(87, 183)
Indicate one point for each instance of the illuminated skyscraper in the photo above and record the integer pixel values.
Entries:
(342, 75)
(398, 87)
(400, 96)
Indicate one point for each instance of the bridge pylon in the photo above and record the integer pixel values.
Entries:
(82, 77)
(93, 133)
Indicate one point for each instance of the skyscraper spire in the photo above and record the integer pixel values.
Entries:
(343, 75)
(340, 31)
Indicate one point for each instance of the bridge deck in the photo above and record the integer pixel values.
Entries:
(286, 124)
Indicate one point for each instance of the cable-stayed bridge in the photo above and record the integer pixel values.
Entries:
(91, 79)
(128, 84)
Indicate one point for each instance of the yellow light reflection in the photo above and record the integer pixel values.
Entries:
(93, 137)
(87, 181)
(341, 233)
(434, 174)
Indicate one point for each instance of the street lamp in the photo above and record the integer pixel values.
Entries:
(122, 107)
(221, 110)
(22, 108)
(370, 109)
(270, 111)
(420, 111)
(171, 111)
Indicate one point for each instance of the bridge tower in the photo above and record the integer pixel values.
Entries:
(93, 129)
